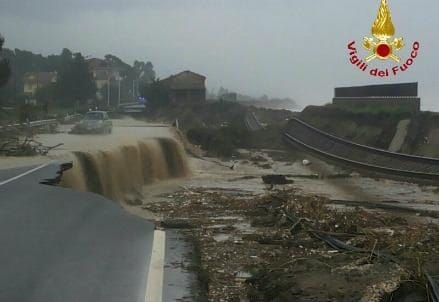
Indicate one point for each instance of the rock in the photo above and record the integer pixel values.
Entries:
(306, 162)
(276, 180)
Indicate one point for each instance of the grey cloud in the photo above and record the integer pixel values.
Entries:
(277, 47)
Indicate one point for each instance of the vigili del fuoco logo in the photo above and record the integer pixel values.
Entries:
(383, 47)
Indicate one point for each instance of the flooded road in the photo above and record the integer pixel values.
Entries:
(239, 175)
(125, 131)
(114, 165)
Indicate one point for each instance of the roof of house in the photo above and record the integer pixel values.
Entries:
(95, 63)
(43, 78)
(185, 80)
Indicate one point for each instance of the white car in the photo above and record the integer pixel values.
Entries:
(94, 122)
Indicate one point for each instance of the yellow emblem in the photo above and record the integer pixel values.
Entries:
(383, 30)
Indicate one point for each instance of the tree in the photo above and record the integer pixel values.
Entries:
(75, 83)
(116, 63)
(59, 62)
(156, 94)
(144, 72)
(222, 91)
(5, 69)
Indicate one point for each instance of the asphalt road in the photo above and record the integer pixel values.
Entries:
(10, 173)
(252, 122)
(60, 245)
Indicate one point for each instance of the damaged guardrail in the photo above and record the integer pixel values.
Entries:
(359, 156)
(252, 123)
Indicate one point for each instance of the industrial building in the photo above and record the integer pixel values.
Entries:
(403, 97)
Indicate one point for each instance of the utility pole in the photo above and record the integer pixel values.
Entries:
(14, 73)
(108, 94)
(118, 100)
(134, 94)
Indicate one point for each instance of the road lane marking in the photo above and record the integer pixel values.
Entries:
(154, 286)
(23, 174)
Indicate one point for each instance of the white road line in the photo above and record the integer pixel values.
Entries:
(154, 286)
(24, 174)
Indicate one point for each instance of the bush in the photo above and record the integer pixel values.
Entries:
(221, 145)
(220, 142)
(28, 112)
(200, 136)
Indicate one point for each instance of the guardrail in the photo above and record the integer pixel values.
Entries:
(43, 123)
(359, 156)
(34, 124)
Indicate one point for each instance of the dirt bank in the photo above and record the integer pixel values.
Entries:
(378, 129)
(423, 135)
(371, 129)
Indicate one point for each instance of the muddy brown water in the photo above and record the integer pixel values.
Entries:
(126, 169)
(134, 155)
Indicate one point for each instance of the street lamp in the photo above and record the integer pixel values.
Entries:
(118, 79)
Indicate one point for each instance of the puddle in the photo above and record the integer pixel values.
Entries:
(229, 218)
(244, 228)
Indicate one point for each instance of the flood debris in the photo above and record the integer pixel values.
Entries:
(284, 246)
(377, 292)
(243, 276)
(176, 224)
(334, 242)
(14, 146)
(258, 158)
(134, 199)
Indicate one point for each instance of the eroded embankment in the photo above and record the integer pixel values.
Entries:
(126, 169)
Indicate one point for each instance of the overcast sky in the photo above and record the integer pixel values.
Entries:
(283, 48)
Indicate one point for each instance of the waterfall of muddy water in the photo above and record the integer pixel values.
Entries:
(126, 169)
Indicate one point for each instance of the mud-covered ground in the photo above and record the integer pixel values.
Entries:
(287, 247)
(283, 244)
